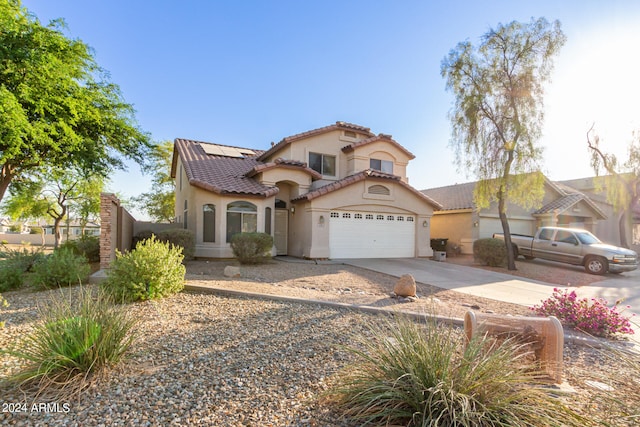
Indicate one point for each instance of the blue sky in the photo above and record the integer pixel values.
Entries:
(247, 73)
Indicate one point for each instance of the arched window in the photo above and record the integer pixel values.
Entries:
(184, 224)
(242, 217)
(209, 223)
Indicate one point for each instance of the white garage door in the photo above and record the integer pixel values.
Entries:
(371, 235)
(488, 226)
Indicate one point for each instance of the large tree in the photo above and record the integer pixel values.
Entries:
(54, 193)
(57, 106)
(623, 180)
(498, 111)
(159, 203)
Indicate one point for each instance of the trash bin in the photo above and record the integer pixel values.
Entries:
(439, 256)
(439, 245)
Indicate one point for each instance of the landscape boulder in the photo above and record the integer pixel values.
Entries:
(231, 271)
(405, 286)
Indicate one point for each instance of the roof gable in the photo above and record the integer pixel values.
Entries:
(299, 136)
(376, 138)
(366, 174)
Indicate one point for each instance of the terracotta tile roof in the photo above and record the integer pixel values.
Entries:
(219, 174)
(357, 177)
(460, 196)
(453, 197)
(566, 202)
(379, 137)
(337, 126)
(283, 163)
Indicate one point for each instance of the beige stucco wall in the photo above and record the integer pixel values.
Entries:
(197, 198)
(331, 143)
(456, 226)
(401, 201)
(358, 160)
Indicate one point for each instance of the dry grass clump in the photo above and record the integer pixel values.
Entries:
(423, 375)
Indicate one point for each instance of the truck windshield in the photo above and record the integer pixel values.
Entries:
(587, 238)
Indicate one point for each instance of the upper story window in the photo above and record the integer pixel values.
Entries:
(385, 166)
(323, 163)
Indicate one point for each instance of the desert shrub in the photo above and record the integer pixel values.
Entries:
(23, 259)
(490, 251)
(36, 230)
(11, 276)
(141, 236)
(593, 316)
(251, 248)
(73, 338)
(182, 238)
(411, 374)
(61, 268)
(152, 270)
(87, 246)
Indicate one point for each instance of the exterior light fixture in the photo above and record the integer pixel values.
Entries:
(425, 223)
(321, 220)
(293, 209)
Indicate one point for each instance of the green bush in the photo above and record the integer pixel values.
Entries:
(23, 259)
(182, 238)
(152, 270)
(251, 248)
(87, 246)
(61, 268)
(11, 276)
(490, 251)
(415, 375)
(36, 230)
(73, 338)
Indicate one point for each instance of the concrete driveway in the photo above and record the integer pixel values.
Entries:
(502, 286)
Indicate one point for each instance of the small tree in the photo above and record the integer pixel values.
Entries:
(497, 116)
(51, 194)
(159, 203)
(623, 181)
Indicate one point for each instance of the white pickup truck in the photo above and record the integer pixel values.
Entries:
(573, 246)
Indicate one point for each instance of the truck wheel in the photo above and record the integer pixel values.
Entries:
(515, 251)
(596, 265)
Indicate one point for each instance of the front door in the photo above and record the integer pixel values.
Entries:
(281, 232)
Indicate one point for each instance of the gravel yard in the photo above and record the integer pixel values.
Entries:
(204, 359)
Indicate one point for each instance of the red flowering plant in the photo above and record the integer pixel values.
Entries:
(593, 316)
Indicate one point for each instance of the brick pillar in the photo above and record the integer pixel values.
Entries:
(109, 204)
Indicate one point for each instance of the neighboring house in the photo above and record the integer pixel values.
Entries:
(74, 229)
(335, 192)
(462, 224)
(607, 230)
(5, 225)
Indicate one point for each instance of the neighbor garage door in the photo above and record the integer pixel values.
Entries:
(488, 226)
(371, 235)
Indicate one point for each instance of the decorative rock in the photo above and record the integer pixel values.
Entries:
(231, 271)
(405, 286)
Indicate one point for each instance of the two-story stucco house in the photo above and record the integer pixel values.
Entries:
(339, 191)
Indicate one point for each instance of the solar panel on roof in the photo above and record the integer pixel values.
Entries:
(220, 150)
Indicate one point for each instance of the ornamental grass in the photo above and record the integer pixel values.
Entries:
(414, 374)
